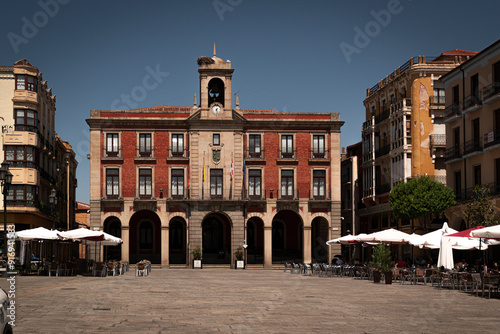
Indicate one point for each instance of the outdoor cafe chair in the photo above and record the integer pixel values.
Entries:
(141, 269)
(476, 283)
(491, 283)
(362, 272)
(54, 268)
(111, 268)
(307, 269)
(288, 266)
(100, 268)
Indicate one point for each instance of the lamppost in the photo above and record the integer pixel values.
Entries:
(6, 178)
(53, 203)
(245, 253)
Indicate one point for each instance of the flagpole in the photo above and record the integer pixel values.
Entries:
(203, 178)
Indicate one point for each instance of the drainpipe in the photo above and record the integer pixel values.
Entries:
(463, 126)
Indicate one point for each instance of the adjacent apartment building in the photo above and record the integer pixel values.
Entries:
(168, 179)
(38, 158)
(472, 119)
(403, 136)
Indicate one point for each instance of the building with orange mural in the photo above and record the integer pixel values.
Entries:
(403, 136)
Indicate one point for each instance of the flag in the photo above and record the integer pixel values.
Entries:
(231, 171)
(203, 169)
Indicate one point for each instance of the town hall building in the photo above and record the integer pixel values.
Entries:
(168, 179)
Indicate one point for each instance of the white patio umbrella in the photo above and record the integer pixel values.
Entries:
(390, 236)
(39, 233)
(487, 232)
(345, 240)
(445, 258)
(432, 239)
(82, 234)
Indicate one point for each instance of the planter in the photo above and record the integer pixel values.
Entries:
(376, 276)
(239, 264)
(197, 264)
(388, 277)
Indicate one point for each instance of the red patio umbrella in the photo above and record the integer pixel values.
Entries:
(465, 233)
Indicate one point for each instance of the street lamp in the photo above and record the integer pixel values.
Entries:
(53, 203)
(6, 178)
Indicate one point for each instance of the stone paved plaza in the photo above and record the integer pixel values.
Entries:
(243, 301)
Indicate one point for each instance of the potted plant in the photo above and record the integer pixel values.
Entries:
(239, 262)
(382, 262)
(196, 257)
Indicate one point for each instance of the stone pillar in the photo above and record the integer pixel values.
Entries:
(307, 244)
(165, 239)
(268, 246)
(126, 244)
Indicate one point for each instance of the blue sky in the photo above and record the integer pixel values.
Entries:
(287, 55)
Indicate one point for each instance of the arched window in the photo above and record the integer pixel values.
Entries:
(146, 235)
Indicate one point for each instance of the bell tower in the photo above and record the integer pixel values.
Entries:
(215, 87)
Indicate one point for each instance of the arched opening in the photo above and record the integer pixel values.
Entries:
(113, 226)
(255, 241)
(177, 241)
(216, 239)
(319, 237)
(287, 237)
(145, 237)
(216, 91)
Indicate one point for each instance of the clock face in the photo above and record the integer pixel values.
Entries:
(216, 109)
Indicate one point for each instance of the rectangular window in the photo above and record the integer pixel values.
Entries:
(178, 183)
(439, 96)
(216, 183)
(145, 145)
(145, 183)
(26, 120)
(287, 184)
(177, 145)
(112, 145)
(112, 183)
(319, 184)
(26, 82)
(254, 146)
(477, 175)
(287, 147)
(456, 95)
(20, 195)
(458, 182)
(474, 86)
(216, 139)
(319, 146)
(254, 183)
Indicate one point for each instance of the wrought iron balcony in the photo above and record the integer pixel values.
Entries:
(382, 151)
(319, 154)
(471, 101)
(257, 154)
(453, 152)
(382, 189)
(382, 116)
(490, 90)
(452, 110)
(178, 153)
(473, 145)
(491, 138)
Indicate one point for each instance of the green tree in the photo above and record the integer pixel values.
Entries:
(480, 211)
(420, 197)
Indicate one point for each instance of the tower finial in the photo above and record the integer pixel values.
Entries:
(237, 100)
(214, 49)
(194, 101)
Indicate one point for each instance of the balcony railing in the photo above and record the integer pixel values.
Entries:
(144, 152)
(382, 189)
(468, 193)
(401, 104)
(382, 116)
(453, 152)
(319, 154)
(473, 145)
(491, 138)
(255, 154)
(382, 151)
(452, 110)
(287, 154)
(438, 140)
(112, 152)
(490, 90)
(217, 194)
(437, 100)
(316, 197)
(111, 197)
(178, 153)
(471, 101)
(287, 197)
(255, 195)
(367, 124)
(145, 195)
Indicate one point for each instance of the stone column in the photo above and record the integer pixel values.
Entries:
(307, 244)
(165, 239)
(268, 246)
(126, 244)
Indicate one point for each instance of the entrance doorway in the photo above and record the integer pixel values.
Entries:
(216, 239)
